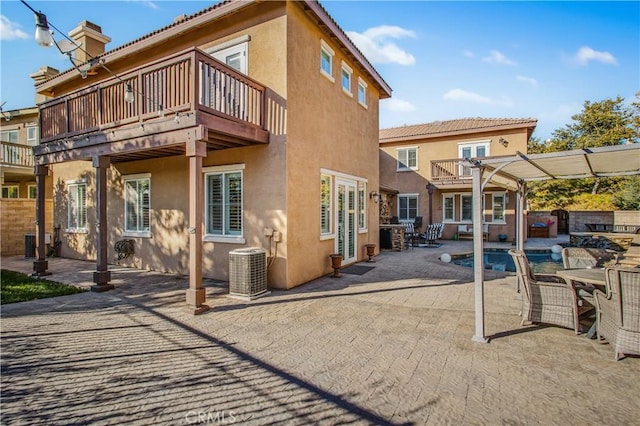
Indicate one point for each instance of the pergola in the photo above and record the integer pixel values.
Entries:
(514, 172)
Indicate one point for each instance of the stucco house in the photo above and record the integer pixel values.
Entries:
(247, 124)
(418, 159)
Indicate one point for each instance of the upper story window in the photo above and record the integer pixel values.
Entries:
(346, 79)
(326, 60)
(77, 206)
(472, 150)
(407, 159)
(137, 205)
(232, 53)
(32, 135)
(362, 92)
(9, 136)
(224, 203)
(10, 191)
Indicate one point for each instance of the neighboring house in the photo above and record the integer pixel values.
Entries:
(19, 134)
(418, 158)
(272, 144)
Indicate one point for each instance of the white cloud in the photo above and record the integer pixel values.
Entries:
(496, 57)
(586, 54)
(461, 95)
(467, 53)
(147, 3)
(374, 43)
(398, 105)
(10, 30)
(529, 80)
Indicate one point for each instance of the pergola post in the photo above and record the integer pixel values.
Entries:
(40, 265)
(478, 258)
(196, 294)
(520, 221)
(102, 275)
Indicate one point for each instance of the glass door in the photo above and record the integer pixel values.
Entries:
(346, 219)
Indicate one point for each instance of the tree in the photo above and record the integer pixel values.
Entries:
(605, 123)
(628, 197)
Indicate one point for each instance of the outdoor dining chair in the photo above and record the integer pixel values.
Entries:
(547, 298)
(618, 311)
(583, 257)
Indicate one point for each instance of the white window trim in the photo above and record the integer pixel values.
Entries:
(466, 194)
(227, 239)
(16, 131)
(331, 234)
(334, 175)
(325, 47)
(504, 207)
(34, 141)
(230, 43)
(12, 186)
(29, 191)
(474, 145)
(453, 198)
(140, 234)
(417, 196)
(406, 169)
(84, 230)
(361, 83)
(349, 71)
(363, 207)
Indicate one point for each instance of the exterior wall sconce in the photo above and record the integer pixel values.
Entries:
(375, 196)
(503, 142)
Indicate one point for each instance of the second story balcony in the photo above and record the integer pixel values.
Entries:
(16, 156)
(187, 91)
(450, 172)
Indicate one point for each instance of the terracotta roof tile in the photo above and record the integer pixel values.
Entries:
(451, 127)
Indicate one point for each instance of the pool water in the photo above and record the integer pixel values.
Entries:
(541, 261)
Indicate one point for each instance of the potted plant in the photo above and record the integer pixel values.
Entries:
(371, 249)
(336, 264)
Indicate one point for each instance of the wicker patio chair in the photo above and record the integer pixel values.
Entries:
(547, 298)
(618, 311)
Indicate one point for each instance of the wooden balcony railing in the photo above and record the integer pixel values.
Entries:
(449, 170)
(187, 81)
(14, 155)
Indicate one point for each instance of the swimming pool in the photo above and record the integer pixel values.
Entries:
(541, 261)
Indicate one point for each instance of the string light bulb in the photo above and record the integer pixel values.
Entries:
(43, 33)
(129, 96)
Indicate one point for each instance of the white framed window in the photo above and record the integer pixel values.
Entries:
(10, 191)
(466, 207)
(137, 205)
(345, 79)
(326, 195)
(232, 53)
(76, 206)
(224, 203)
(326, 60)
(9, 136)
(472, 150)
(407, 207)
(362, 206)
(32, 135)
(33, 191)
(448, 208)
(407, 159)
(498, 202)
(362, 92)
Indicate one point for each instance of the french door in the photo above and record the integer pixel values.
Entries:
(346, 241)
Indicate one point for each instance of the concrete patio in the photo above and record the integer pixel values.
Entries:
(390, 346)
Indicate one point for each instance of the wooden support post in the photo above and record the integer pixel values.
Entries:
(196, 294)
(102, 275)
(40, 265)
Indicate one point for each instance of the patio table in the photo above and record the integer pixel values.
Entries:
(593, 276)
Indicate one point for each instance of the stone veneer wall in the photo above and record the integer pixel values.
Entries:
(577, 219)
(17, 219)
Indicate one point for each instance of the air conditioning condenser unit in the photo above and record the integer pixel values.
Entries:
(248, 273)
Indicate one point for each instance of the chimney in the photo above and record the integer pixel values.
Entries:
(90, 37)
(40, 76)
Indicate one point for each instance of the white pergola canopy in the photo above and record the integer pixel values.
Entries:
(513, 172)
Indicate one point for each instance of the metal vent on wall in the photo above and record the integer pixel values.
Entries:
(248, 272)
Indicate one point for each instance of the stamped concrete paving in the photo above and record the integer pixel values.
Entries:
(392, 346)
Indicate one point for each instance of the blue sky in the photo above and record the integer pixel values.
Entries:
(443, 60)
